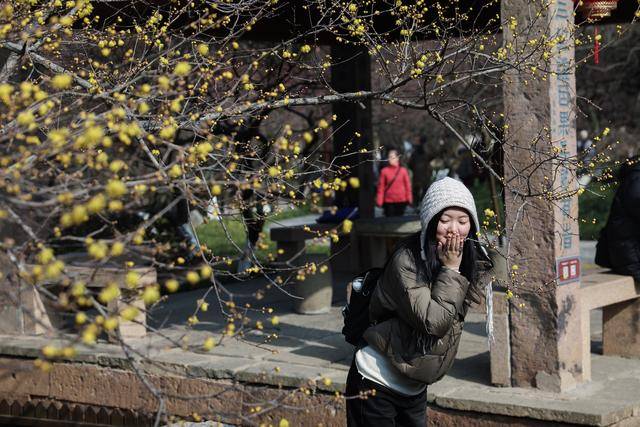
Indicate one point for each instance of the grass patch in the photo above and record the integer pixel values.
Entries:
(214, 236)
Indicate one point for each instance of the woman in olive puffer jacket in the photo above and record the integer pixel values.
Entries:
(417, 310)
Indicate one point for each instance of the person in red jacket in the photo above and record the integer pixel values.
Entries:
(394, 187)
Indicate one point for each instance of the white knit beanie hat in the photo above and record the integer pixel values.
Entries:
(445, 193)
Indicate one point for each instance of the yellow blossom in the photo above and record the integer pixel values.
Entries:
(129, 313)
(143, 108)
(109, 293)
(110, 324)
(164, 82)
(5, 92)
(96, 204)
(61, 81)
(204, 148)
(347, 225)
(275, 320)
(81, 318)
(117, 165)
(116, 188)
(79, 214)
(489, 213)
(68, 352)
(89, 336)
(307, 137)
(151, 294)
(115, 205)
(50, 351)
(54, 270)
(206, 271)
(216, 190)
(26, 118)
(45, 256)
(131, 279)
(117, 249)
(92, 135)
(182, 69)
(203, 49)
(354, 182)
(193, 277)
(172, 285)
(78, 289)
(175, 171)
(209, 343)
(167, 132)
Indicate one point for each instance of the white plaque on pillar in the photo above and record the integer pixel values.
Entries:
(563, 138)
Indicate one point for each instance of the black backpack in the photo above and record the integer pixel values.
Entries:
(356, 312)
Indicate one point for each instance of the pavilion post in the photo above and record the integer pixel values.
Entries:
(545, 329)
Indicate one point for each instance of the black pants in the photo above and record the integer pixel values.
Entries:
(385, 407)
(394, 209)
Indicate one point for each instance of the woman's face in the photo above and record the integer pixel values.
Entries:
(394, 159)
(452, 221)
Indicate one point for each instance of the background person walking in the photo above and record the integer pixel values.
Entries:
(394, 187)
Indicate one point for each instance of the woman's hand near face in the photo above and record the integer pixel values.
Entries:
(450, 252)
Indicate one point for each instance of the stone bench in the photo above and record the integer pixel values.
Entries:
(377, 238)
(43, 317)
(316, 291)
(618, 297)
(369, 244)
(291, 241)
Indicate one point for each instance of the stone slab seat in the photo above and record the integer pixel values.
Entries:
(618, 296)
(377, 237)
(369, 244)
(78, 267)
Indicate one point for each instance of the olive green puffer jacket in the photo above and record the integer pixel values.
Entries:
(422, 336)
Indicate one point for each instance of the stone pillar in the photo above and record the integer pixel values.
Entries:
(541, 205)
(352, 128)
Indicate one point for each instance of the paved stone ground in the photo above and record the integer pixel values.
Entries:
(311, 349)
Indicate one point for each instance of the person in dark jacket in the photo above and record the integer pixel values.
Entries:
(619, 244)
(423, 294)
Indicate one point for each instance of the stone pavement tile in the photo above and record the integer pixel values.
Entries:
(223, 367)
(308, 327)
(281, 375)
(338, 380)
(323, 353)
(285, 343)
(204, 364)
(232, 347)
(310, 355)
(520, 403)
